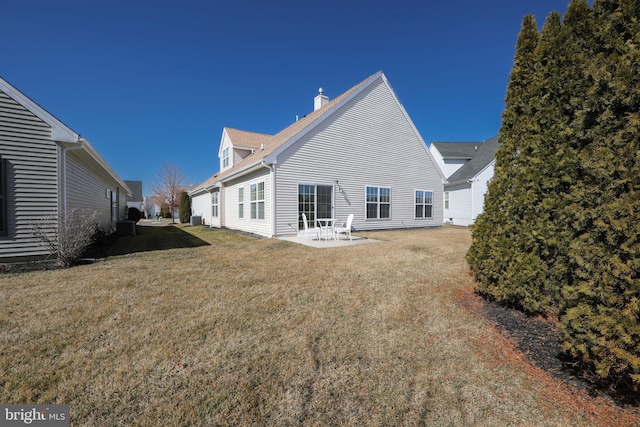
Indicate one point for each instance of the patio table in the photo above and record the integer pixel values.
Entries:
(326, 226)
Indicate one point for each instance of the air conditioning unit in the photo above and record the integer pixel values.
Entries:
(196, 220)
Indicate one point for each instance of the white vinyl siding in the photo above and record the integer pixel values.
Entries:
(31, 177)
(466, 200)
(230, 204)
(201, 206)
(480, 188)
(452, 165)
(354, 146)
(459, 212)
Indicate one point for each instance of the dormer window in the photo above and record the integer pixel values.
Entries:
(225, 157)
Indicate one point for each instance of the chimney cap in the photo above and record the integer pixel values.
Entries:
(320, 91)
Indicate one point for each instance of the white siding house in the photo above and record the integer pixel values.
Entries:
(47, 170)
(468, 167)
(357, 154)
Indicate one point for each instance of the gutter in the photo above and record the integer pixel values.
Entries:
(256, 166)
(461, 181)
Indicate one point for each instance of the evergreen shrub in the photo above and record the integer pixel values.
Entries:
(560, 232)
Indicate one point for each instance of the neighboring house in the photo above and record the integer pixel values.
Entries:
(357, 154)
(468, 167)
(151, 209)
(135, 200)
(47, 170)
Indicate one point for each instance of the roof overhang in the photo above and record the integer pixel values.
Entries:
(257, 165)
(59, 131)
(61, 134)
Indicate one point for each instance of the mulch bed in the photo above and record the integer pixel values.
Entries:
(536, 341)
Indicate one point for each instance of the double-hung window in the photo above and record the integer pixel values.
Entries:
(424, 204)
(378, 202)
(240, 202)
(446, 200)
(3, 197)
(215, 204)
(257, 200)
(225, 157)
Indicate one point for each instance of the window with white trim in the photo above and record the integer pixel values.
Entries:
(114, 206)
(424, 204)
(241, 202)
(257, 200)
(215, 205)
(378, 203)
(225, 157)
(446, 200)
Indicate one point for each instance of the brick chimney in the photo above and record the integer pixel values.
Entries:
(320, 100)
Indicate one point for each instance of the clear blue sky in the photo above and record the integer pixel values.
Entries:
(148, 82)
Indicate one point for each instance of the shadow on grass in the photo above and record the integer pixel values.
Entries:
(146, 239)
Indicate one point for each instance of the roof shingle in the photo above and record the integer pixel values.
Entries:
(269, 144)
(485, 153)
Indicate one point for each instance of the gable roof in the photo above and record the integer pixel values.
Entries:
(61, 133)
(271, 147)
(293, 132)
(485, 154)
(268, 147)
(244, 139)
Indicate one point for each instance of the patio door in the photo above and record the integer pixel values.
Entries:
(315, 201)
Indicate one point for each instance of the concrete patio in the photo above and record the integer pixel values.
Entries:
(314, 242)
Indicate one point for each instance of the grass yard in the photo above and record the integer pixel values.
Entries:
(215, 328)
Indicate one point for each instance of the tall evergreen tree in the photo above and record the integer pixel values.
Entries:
(601, 324)
(552, 151)
(490, 255)
(560, 231)
(184, 210)
(540, 273)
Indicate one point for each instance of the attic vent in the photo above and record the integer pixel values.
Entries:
(475, 148)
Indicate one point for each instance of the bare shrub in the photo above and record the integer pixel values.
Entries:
(68, 236)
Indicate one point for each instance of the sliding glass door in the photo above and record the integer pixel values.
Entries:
(315, 201)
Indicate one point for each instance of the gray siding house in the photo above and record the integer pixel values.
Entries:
(47, 170)
(135, 200)
(358, 154)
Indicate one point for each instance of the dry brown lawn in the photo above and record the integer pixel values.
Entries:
(266, 332)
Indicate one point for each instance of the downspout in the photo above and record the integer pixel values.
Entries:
(63, 173)
(272, 175)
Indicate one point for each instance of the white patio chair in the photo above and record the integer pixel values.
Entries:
(347, 229)
(322, 229)
(306, 227)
